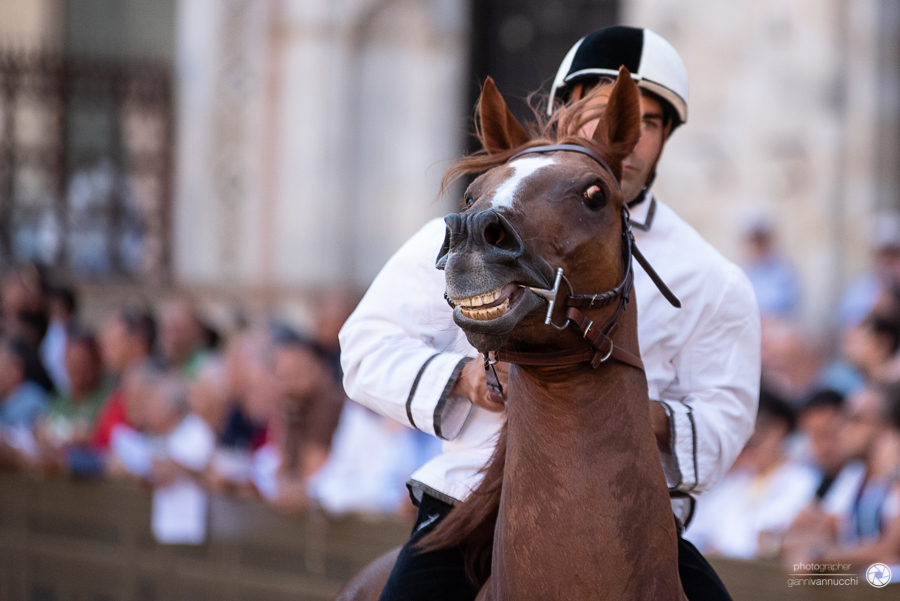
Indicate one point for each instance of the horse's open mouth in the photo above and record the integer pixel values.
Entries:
(492, 305)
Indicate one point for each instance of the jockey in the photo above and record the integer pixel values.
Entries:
(404, 357)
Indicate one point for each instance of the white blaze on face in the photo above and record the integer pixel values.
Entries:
(507, 192)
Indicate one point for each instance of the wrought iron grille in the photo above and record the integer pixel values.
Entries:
(85, 166)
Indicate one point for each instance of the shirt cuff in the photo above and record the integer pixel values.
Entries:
(680, 465)
(430, 406)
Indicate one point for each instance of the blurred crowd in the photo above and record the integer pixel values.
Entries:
(157, 396)
(819, 481)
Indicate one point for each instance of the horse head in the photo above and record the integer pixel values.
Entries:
(531, 213)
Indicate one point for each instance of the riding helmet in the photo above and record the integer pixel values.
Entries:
(654, 64)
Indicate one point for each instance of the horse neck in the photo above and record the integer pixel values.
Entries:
(584, 510)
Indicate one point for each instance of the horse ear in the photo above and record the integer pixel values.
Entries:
(619, 128)
(498, 128)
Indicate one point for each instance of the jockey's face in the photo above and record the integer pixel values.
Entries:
(636, 169)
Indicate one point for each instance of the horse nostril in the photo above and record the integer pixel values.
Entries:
(443, 254)
(498, 234)
(494, 234)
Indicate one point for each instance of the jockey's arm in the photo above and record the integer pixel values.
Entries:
(400, 350)
(711, 404)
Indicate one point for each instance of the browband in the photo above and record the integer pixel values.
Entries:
(568, 148)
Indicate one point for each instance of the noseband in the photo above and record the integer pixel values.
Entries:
(599, 337)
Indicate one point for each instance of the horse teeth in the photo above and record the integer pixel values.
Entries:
(478, 301)
(485, 314)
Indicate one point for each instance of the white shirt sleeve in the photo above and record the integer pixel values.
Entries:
(713, 400)
(192, 443)
(400, 350)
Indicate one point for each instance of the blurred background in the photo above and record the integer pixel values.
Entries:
(195, 193)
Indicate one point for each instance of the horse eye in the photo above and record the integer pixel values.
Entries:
(469, 201)
(594, 198)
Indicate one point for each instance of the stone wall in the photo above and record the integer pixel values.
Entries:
(30, 25)
(787, 100)
(312, 135)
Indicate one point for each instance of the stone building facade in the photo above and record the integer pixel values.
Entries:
(311, 134)
(794, 117)
(355, 104)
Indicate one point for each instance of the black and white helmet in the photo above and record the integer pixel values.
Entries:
(654, 64)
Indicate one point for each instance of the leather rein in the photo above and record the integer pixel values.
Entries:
(599, 337)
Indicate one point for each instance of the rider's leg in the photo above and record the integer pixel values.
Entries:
(698, 579)
(439, 575)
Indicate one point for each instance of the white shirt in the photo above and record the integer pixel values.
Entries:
(371, 459)
(730, 519)
(401, 353)
(191, 443)
(842, 498)
(53, 354)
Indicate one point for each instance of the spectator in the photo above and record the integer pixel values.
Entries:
(774, 280)
(871, 345)
(69, 423)
(264, 403)
(231, 468)
(252, 419)
(24, 384)
(183, 336)
(184, 444)
(208, 394)
(861, 525)
(171, 453)
(820, 421)
(129, 448)
(332, 310)
(312, 401)
(371, 460)
(184, 440)
(53, 349)
(792, 365)
(862, 295)
(126, 341)
(252, 386)
(758, 499)
(22, 304)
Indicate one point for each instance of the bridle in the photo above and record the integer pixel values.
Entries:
(599, 337)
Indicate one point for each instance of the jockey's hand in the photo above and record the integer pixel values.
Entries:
(660, 422)
(472, 384)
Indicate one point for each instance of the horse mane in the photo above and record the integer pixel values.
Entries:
(470, 525)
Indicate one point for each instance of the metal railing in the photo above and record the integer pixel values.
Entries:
(91, 541)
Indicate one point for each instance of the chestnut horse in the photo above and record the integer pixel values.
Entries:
(573, 504)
